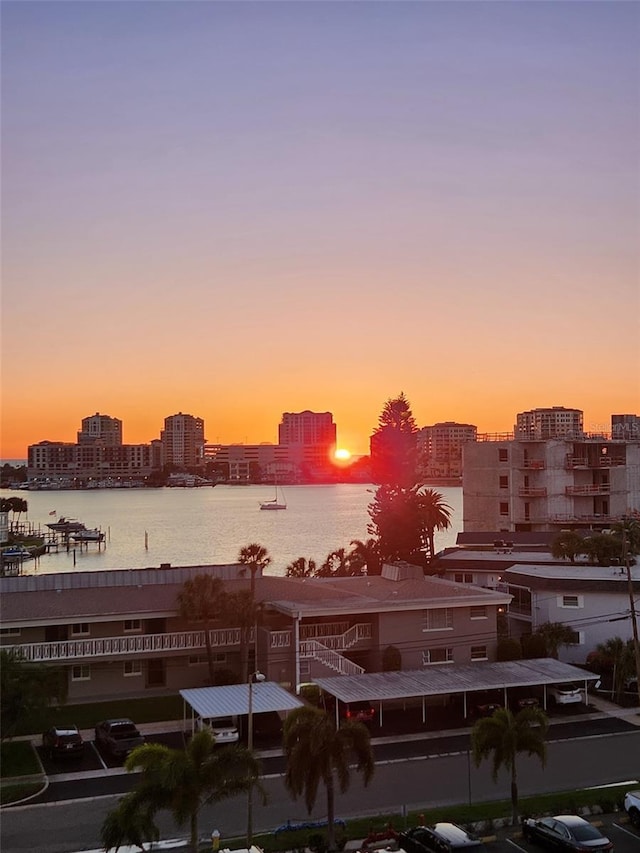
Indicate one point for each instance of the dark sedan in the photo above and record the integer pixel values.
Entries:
(566, 832)
(63, 742)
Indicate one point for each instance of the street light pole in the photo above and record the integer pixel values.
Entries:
(254, 677)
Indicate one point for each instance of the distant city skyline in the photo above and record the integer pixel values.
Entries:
(239, 209)
(343, 451)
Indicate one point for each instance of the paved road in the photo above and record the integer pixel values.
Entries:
(424, 779)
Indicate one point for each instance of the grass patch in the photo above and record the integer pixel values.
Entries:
(18, 759)
(147, 710)
(15, 793)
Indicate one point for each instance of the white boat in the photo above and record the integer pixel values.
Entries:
(276, 503)
(93, 535)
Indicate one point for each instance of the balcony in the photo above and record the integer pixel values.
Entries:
(603, 461)
(142, 644)
(533, 464)
(526, 492)
(590, 489)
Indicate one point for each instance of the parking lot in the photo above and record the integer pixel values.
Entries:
(625, 837)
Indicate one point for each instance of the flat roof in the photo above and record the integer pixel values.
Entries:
(233, 699)
(441, 679)
(576, 572)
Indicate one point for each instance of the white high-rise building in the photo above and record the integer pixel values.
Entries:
(101, 428)
(182, 441)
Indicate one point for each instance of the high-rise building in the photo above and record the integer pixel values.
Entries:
(101, 428)
(310, 438)
(440, 449)
(551, 484)
(182, 441)
(625, 426)
(555, 422)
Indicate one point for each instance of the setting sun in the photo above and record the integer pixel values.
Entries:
(342, 454)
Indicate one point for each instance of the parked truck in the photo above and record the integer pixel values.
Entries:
(118, 737)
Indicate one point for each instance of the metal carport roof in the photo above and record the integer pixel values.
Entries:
(442, 679)
(233, 699)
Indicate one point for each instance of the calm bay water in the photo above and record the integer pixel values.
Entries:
(190, 527)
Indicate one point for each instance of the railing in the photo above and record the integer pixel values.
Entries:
(317, 651)
(532, 493)
(280, 639)
(321, 630)
(348, 638)
(591, 489)
(140, 644)
(534, 464)
(598, 462)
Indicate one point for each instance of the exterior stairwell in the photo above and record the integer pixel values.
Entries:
(328, 651)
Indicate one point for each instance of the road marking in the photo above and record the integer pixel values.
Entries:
(517, 846)
(624, 829)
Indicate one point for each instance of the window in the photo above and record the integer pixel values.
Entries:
(478, 653)
(132, 625)
(10, 632)
(571, 601)
(440, 619)
(431, 656)
(504, 508)
(503, 454)
(80, 629)
(504, 482)
(479, 611)
(463, 577)
(81, 672)
(132, 667)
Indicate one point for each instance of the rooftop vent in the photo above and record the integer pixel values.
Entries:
(401, 571)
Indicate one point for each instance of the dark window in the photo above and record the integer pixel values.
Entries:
(503, 454)
(504, 508)
(504, 482)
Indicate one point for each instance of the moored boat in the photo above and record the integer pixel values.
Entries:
(88, 535)
(66, 525)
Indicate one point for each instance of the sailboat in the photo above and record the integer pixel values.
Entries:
(276, 503)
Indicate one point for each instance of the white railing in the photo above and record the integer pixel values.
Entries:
(349, 637)
(280, 639)
(321, 630)
(329, 657)
(135, 645)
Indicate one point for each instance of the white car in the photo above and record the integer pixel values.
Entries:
(632, 806)
(223, 729)
(566, 694)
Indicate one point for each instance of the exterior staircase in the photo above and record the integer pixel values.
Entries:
(328, 651)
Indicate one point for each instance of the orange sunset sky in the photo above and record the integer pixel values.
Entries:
(240, 209)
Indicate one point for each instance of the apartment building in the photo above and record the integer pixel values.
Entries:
(182, 441)
(549, 484)
(556, 422)
(440, 449)
(68, 465)
(625, 426)
(310, 438)
(119, 633)
(101, 428)
(591, 600)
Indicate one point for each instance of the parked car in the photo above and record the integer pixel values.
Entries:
(565, 832)
(63, 742)
(118, 737)
(224, 729)
(485, 709)
(566, 694)
(632, 806)
(359, 712)
(522, 698)
(439, 838)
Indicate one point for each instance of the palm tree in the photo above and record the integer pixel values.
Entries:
(503, 735)
(257, 558)
(202, 599)
(301, 568)
(335, 565)
(556, 634)
(364, 555)
(242, 611)
(617, 656)
(182, 781)
(435, 514)
(316, 752)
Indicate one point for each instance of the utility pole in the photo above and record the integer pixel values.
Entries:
(632, 604)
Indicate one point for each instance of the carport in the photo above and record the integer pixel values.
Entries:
(453, 679)
(232, 700)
